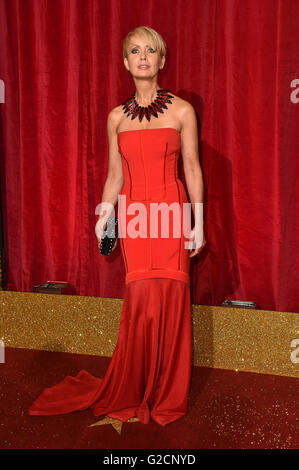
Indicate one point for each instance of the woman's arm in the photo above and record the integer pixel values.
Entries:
(114, 180)
(192, 169)
(189, 148)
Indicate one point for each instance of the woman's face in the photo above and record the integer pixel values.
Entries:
(140, 53)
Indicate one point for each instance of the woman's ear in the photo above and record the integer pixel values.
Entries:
(162, 62)
(126, 64)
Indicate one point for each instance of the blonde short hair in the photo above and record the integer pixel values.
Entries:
(145, 32)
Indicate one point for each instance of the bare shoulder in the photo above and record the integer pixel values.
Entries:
(184, 111)
(116, 112)
(113, 118)
(183, 106)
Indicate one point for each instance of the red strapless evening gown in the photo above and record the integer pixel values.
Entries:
(150, 369)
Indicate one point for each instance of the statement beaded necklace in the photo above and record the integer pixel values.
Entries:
(132, 108)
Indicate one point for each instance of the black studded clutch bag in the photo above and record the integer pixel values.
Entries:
(108, 240)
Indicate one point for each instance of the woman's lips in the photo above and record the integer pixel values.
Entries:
(143, 67)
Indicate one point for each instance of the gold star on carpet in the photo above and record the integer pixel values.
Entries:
(116, 423)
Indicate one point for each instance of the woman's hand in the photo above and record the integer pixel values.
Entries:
(99, 228)
(198, 241)
(114, 245)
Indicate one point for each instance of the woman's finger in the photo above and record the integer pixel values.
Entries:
(114, 246)
(195, 251)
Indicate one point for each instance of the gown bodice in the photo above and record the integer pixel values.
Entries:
(150, 170)
(149, 162)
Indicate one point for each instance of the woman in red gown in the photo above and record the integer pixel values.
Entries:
(150, 369)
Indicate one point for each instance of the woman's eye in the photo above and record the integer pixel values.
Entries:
(136, 50)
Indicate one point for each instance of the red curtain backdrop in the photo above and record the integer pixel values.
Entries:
(236, 61)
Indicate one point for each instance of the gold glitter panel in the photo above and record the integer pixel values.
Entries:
(223, 337)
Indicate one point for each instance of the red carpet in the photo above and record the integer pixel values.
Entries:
(227, 410)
